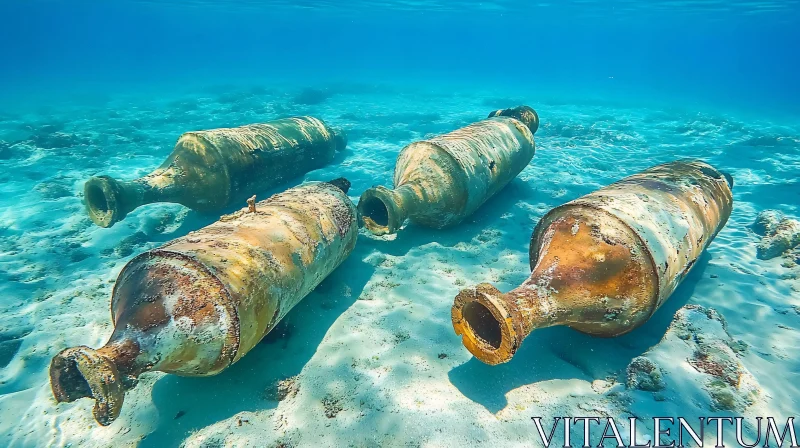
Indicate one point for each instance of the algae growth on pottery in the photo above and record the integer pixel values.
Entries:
(369, 357)
(209, 170)
(440, 181)
(604, 263)
(199, 303)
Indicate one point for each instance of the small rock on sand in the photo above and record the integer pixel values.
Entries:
(702, 333)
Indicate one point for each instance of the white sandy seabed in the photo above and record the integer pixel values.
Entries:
(370, 357)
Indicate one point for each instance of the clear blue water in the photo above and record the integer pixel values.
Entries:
(727, 54)
(90, 88)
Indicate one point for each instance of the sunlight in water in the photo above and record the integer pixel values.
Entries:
(369, 357)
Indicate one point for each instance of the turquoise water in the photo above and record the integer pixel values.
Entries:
(89, 88)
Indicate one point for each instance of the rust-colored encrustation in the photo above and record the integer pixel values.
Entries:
(440, 181)
(604, 263)
(199, 303)
(209, 170)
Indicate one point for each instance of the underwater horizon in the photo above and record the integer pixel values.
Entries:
(732, 54)
(370, 357)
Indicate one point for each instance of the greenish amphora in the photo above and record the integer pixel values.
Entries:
(441, 181)
(209, 170)
(604, 263)
(201, 302)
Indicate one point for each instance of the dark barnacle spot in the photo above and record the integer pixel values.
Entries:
(492, 165)
(442, 355)
(710, 172)
(179, 415)
(343, 217)
(607, 239)
(612, 314)
(688, 267)
(341, 183)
